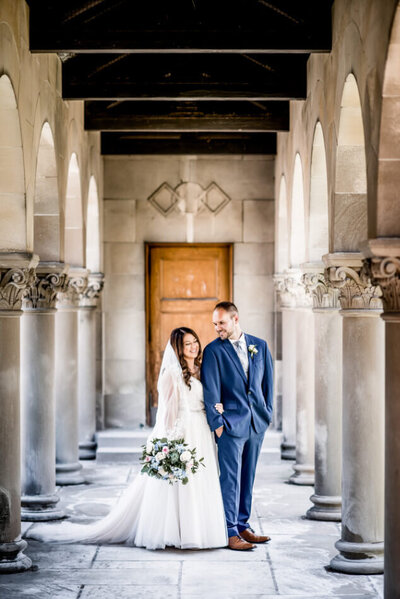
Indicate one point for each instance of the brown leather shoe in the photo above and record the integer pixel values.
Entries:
(237, 544)
(249, 536)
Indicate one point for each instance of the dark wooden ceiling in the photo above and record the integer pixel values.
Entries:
(183, 76)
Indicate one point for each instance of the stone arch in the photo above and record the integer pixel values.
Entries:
(46, 203)
(388, 204)
(350, 224)
(318, 234)
(73, 234)
(12, 174)
(297, 221)
(283, 237)
(93, 228)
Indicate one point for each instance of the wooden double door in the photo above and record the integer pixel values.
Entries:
(183, 284)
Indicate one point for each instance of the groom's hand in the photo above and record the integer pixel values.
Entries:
(218, 431)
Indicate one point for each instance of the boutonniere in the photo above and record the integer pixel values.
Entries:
(253, 350)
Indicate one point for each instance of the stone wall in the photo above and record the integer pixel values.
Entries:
(130, 220)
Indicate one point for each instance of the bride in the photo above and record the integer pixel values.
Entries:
(152, 513)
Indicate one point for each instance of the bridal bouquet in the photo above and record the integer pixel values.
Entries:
(169, 460)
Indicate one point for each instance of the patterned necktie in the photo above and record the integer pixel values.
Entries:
(242, 356)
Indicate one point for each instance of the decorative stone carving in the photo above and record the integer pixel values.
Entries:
(44, 291)
(385, 272)
(324, 296)
(74, 288)
(14, 285)
(189, 198)
(91, 294)
(356, 291)
(286, 286)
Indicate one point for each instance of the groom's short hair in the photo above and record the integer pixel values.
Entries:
(228, 307)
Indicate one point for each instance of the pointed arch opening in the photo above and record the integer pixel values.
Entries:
(283, 237)
(297, 237)
(350, 225)
(388, 202)
(46, 200)
(12, 174)
(93, 229)
(318, 221)
(73, 236)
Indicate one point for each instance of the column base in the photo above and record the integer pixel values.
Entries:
(12, 559)
(327, 508)
(40, 508)
(303, 475)
(69, 474)
(358, 558)
(87, 450)
(288, 451)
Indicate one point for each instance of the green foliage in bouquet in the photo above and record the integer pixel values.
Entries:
(170, 460)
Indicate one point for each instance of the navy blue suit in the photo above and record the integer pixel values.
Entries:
(247, 415)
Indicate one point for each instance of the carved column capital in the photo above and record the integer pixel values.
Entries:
(74, 288)
(285, 285)
(356, 291)
(50, 280)
(385, 272)
(324, 295)
(91, 294)
(15, 283)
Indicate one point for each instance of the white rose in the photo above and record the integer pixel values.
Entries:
(162, 471)
(149, 447)
(160, 456)
(186, 456)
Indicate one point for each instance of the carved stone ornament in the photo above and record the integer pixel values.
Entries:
(324, 296)
(44, 291)
(14, 285)
(73, 291)
(292, 292)
(92, 292)
(385, 272)
(356, 291)
(188, 198)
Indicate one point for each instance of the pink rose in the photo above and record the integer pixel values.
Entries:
(165, 450)
(147, 458)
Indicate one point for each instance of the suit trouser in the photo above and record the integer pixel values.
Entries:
(237, 458)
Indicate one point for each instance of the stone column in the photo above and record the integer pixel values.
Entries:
(287, 304)
(386, 271)
(68, 468)
(39, 497)
(304, 465)
(87, 367)
(328, 400)
(361, 543)
(16, 276)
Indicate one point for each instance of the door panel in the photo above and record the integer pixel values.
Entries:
(184, 282)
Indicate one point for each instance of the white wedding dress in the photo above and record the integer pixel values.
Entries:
(152, 513)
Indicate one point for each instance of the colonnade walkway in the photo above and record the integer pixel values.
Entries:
(292, 565)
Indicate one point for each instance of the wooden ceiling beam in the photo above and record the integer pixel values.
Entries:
(186, 143)
(191, 78)
(98, 26)
(187, 116)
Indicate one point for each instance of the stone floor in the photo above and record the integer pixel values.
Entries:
(292, 565)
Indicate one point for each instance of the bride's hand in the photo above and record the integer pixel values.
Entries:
(219, 407)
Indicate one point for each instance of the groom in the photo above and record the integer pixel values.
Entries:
(237, 372)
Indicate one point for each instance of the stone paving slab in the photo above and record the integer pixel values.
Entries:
(222, 580)
(129, 592)
(42, 591)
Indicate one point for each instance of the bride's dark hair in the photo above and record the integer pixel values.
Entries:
(176, 340)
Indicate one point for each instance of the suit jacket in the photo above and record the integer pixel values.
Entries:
(245, 401)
